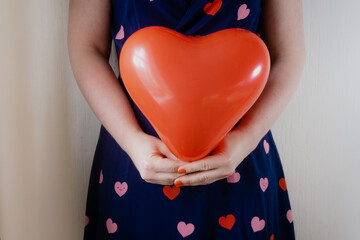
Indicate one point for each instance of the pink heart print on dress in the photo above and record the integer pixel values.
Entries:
(120, 34)
(289, 216)
(101, 178)
(243, 12)
(266, 146)
(121, 188)
(86, 220)
(264, 183)
(234, 178)
(257, 224)
(111, 227)
(185, 229)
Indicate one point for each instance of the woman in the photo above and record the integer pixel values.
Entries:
(239, 192)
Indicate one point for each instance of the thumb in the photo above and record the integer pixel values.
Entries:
(165, 151)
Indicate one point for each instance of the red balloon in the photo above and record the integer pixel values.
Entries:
(193, 90)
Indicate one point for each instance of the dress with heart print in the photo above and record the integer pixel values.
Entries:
(253, 203)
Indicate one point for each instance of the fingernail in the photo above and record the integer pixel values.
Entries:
(182, 171)
(179, 183)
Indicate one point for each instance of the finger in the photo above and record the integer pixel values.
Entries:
(163, 178)
(205, 164)
(166, 152)
(200, 178)
(163, 164)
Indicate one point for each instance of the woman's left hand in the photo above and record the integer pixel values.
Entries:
(222, 163)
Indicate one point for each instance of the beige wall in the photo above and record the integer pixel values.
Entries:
(48, 133)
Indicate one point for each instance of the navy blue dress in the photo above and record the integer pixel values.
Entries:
(253, 203)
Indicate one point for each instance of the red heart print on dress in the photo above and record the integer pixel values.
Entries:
(282, 184)
(227, 222)
(171, 192)
(212, 8)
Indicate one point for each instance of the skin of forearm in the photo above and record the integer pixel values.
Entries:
(283, 80)
(105, 96)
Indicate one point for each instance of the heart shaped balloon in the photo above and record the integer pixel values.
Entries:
(193, 90)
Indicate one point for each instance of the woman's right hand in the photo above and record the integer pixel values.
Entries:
(153, 160)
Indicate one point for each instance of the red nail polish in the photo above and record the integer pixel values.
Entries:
(179, 183)
(182, 171)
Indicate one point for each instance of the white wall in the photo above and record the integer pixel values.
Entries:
(48, 133)
(318, 134)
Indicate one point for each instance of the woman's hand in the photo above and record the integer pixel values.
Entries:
(153, 160)
(222, 162)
